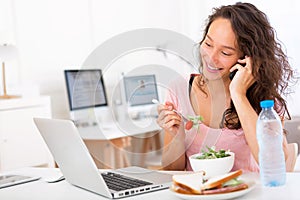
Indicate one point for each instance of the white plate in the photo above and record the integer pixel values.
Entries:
(228, 195)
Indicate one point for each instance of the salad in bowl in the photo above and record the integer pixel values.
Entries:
(213, 162)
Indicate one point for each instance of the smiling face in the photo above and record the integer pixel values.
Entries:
(219, 50)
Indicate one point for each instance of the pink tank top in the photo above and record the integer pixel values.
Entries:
(197, 139)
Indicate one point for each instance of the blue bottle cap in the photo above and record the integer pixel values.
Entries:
(267, 103)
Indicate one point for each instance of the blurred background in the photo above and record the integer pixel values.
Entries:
(53, 35)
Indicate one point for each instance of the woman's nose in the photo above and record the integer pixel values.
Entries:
(213, 56)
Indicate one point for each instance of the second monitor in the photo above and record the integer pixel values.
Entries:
(139, 91)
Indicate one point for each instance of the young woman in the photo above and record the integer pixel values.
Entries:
(237, 37)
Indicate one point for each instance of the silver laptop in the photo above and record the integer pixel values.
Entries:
(79, 169)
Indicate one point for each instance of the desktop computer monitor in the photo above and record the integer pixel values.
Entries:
(86, 92)
(139, 91)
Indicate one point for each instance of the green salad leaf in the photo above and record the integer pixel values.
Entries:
(233, 182)
(211, 153)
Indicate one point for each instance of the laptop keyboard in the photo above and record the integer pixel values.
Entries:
(120, 182)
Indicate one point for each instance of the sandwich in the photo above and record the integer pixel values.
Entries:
(195, 183)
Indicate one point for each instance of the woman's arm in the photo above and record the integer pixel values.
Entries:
(173, 157)
(248, 118)
(247, 115)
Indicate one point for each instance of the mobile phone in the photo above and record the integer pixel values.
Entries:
(231, 75)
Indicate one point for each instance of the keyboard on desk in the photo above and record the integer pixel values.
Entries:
(118, 182)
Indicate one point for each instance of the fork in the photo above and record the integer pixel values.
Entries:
(185, 119)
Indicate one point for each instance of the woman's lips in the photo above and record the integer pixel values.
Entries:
(212, 69)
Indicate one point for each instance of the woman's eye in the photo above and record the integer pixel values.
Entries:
(207, 44)
(226, 54)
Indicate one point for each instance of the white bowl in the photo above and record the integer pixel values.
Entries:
(212, 167)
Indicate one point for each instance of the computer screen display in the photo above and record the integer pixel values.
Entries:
(85, 88)
(140, 90)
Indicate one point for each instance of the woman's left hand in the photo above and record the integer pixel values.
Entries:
(243, 78)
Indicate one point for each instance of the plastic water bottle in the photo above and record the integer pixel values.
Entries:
(270, 136)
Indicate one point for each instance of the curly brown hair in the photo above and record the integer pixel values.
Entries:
(257, 39)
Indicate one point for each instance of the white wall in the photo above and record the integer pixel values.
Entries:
(53, 35)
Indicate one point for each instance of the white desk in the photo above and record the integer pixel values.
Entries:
(63, 190)
(117, 129)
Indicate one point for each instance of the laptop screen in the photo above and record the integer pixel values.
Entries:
(85, 88)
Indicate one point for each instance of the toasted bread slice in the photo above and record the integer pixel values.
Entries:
(217, 181)
(181, 190)
(188, 183)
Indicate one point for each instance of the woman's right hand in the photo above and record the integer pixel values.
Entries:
(168, 119)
